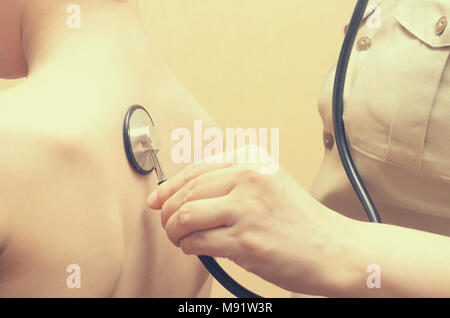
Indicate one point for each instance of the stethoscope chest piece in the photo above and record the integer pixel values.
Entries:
(141, 139)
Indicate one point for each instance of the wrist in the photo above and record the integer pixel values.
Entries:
(345, 273)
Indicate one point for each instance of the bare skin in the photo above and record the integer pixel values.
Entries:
(67, 192)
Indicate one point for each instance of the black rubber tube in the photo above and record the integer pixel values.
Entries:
(225, 280)
(338, 110)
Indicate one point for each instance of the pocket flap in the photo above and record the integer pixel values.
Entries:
(421, 18)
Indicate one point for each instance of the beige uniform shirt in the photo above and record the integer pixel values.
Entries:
(397, 116)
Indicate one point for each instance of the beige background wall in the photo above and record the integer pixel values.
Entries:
(254, 63)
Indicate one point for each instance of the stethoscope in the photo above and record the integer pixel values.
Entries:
(142, 145)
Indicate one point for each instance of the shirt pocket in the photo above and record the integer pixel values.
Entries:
(393, 86)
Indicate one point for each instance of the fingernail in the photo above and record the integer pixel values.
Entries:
(151, 200)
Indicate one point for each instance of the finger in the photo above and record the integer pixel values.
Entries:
(167, 189)
(216, 243)
(213, 184)
(200, 215)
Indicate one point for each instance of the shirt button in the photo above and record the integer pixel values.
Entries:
(328, 140)
(441, 25)
(363, 44)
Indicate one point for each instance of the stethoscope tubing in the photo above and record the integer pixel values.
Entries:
(225, 280)
(338, 110)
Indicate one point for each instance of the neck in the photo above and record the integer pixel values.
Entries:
(109, 46)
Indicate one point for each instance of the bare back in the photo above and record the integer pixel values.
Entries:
(69, 196)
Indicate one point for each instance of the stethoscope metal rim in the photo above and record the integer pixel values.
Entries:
(127, 141)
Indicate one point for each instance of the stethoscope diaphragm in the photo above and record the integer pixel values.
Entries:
(141, 140)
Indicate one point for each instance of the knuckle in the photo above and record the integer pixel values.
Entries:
(163, 221)
(193, 184)
(250, 175)
(253, 206)
(167, 208)
(186, 247)
(171, 234)
(200, 242)
(190, 172)
(164, 214)
(190, 189)
(230, 164)
(184, 217)
(249, 242)
(193, 244)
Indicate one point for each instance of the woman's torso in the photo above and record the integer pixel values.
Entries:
(397, 117)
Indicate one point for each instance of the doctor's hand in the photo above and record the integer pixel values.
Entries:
(265, 223)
